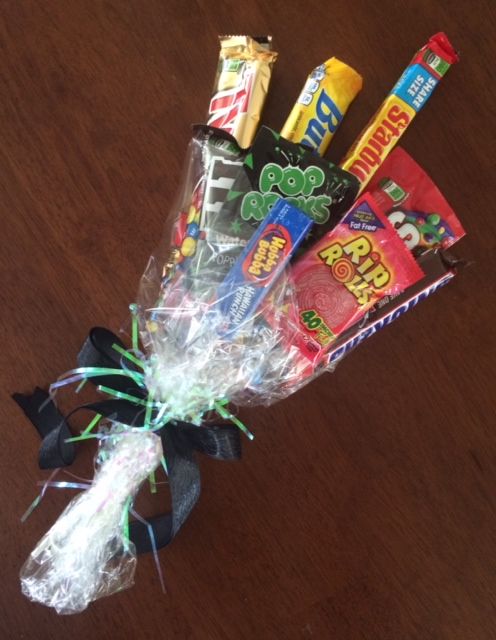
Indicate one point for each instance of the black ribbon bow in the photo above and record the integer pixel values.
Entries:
(180, 440)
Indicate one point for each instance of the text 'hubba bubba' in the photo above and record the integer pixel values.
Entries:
(267, 254)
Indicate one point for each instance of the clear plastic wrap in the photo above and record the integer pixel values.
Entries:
(193, 361)
(86, 554)
(220, 247)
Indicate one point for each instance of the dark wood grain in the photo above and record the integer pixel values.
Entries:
(365, 508)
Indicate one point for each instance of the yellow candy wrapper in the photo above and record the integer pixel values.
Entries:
(325, 98)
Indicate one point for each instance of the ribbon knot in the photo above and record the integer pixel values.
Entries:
(103, 351)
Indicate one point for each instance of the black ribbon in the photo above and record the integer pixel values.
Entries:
(180, 440)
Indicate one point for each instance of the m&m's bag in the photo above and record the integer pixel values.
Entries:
(414, 205)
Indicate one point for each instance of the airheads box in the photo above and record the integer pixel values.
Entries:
(259, 265)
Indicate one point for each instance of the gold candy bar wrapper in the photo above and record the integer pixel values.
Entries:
(241, 85)
(322, 104)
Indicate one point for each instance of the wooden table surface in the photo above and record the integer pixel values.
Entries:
(365, 507)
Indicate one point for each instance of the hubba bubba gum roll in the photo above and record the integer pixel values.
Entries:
(344, 274)
(322, 104)
(260, 264)
(407, 97)
(241, 85)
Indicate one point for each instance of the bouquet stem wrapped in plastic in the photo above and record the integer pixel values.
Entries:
(87, 554)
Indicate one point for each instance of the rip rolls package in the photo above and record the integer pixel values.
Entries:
(268, 267)
(342, 276)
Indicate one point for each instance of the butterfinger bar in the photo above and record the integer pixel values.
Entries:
(322, 104)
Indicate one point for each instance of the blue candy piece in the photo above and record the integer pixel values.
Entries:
(193, 230)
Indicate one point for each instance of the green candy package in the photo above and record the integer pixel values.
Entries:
(274, 168)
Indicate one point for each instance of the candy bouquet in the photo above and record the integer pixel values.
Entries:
(275, 263)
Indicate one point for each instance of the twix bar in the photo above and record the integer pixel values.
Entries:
(241, 85)
(405, 100)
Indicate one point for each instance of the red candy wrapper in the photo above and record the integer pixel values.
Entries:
(342, 276)
(439, 268)
(413, 204)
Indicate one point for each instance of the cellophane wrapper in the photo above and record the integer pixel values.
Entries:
(191, 369)
(191, 364)
(87, 553)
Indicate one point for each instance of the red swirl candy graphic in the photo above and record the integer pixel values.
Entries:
(318, 290)
(343, 270)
